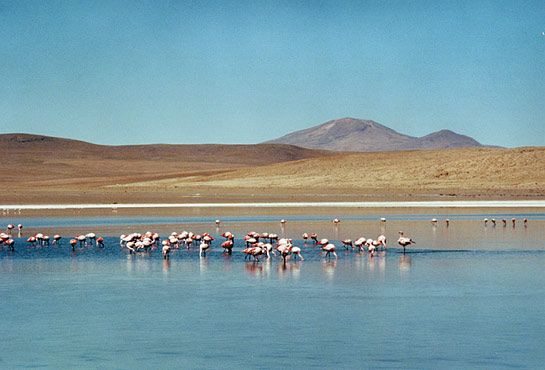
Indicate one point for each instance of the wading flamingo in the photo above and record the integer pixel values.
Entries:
(100, 242)
(227, 246)
(329, 249)
(203, 247)
(404, 241)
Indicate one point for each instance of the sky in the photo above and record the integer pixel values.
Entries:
(116, 72)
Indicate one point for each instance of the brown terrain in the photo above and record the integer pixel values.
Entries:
(38, 169)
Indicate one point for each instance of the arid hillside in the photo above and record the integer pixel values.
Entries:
(29, 159)
(490, 172)
(38, 169)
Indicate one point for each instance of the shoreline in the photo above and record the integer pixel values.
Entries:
(377, 204)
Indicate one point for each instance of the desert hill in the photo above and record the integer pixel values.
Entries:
(472, 171)
(350, 134)
(41, 169)
(38, 158)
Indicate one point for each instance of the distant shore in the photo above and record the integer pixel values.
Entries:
(405, 204)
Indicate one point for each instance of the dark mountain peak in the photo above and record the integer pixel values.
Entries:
(352, 134)
(447, 139)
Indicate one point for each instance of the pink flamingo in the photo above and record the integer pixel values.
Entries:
(347, 243)
(360, 243)
(296, 251)
(11, 244)
(166, 251)
(404, 241)
(329, 249)
(227, 246)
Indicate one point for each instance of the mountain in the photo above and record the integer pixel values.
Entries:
(350, 134)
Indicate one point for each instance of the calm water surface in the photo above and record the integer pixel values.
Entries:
(468, 297)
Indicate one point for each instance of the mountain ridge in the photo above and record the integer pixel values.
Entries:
(352, 134)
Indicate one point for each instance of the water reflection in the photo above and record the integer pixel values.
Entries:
(329, 267)
(203, 265)
(405, 263)
(166, 266)
(289, 269)
(253, 268)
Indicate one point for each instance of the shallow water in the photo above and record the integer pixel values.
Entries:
(466, 297)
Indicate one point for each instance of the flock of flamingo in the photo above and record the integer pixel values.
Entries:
(257, 245)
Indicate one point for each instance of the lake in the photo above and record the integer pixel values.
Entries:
(466, 296)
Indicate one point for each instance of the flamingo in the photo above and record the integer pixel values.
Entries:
(31, 240)
(447, 222)
(485, 221)
(39, 238)
(73, 243)
(347, 243)
(314, 237)
(283, 222)
(166, 251)
(525, 222)
(404, 241)
(296, 251)
(258, 251)
(81, 239)
(9, 228)
(504, 221)
(100, 242)
(382, 219)
(434, 221)
(248, 252)
(250, 241)
(131, 246)
(323, 242)
(11, 244)
(370, 246)
(360, 243)
(493, 222)
(513, 221)
(305, 237)
(329, 248)
(218, 222)
(269, 249)
(203, 247)
(381, 240)
(20, 228)
(228, 235)
(91, 236)
(284, 250)
(45, 240)
(273, 237)
(227, 246)
(56, 239)
(207, 239)
(336, 221)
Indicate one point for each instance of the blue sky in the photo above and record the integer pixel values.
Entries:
(117, 72)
